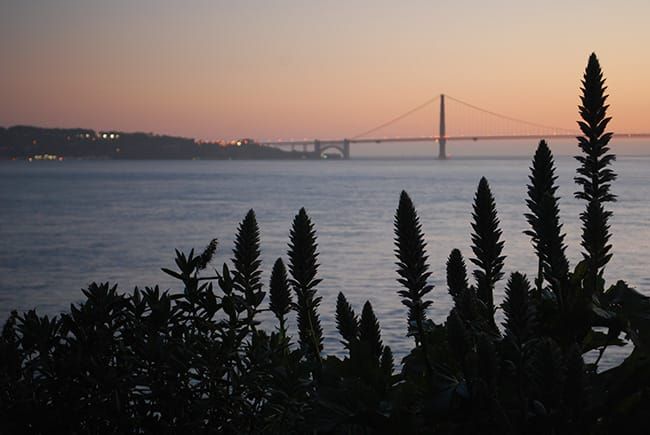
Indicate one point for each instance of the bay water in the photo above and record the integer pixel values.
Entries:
(66, 224)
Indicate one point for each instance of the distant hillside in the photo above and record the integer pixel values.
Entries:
(24, 142)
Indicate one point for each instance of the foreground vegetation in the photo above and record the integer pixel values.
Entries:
(198, 361)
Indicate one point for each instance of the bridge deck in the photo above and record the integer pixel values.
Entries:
(328, 142)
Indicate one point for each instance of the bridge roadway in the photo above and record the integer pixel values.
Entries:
(343, 145)
(330, 142)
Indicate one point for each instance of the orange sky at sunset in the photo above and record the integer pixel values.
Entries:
(299, 69)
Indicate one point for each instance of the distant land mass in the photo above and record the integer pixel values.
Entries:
(36, 143)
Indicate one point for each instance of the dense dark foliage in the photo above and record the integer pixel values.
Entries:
(198, 361)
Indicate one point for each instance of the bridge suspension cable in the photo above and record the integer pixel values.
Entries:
(470, 106)
(397, 118)
(510, 118)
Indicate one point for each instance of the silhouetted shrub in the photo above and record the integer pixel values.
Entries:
(197, 360)
(594, 175)
(544, 219)
(487, 246)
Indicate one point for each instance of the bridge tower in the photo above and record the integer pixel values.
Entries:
(346, 149)
(317, 148)
(442, 135)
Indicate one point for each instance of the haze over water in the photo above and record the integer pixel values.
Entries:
(66, 224)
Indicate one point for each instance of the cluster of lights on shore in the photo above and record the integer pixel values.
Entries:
(100, 135)
(224, 143)
(54, 157)
(114, 136)
(45, 157)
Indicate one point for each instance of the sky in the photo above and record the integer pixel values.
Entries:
(313, 69)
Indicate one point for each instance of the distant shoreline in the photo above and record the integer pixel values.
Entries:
(55, 144)
(37, 143)
(287, 159)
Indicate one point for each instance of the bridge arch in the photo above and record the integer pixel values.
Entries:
(338, 148)
(343, 147)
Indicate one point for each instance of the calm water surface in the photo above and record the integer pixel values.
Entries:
(64, 225)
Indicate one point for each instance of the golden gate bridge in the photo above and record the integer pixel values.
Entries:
(484, 125)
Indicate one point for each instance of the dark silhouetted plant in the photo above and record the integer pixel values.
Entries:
(347, 322)
(457, 283)
(466, 302)
(544, 219)
(207, 254)
(279, 294)
(303, 267)
(246, 260)
(518, 309)
(413, 269)
(594, 174)
(486, 245)
(369, 332)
